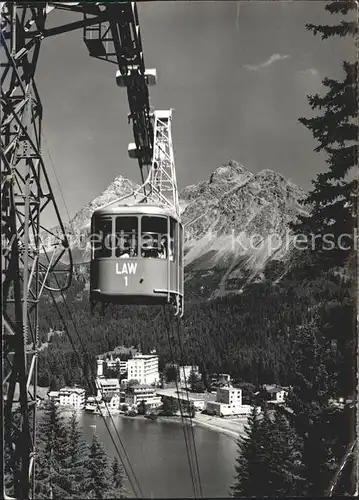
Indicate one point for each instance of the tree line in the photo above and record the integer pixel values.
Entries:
(69, 467)
(298, 449)
(297, 332)
(248, 336)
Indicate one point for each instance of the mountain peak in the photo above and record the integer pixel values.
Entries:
(222, 215)
(119, 184)
(269, 179)
(119, 187)
(228, 172)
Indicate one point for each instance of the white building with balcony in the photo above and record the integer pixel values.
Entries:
(72, 396)
(107, 386)
(228, 402)
(137, 393)
(116, 363)
(144, 368)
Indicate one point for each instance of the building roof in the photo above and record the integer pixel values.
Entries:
(273, 389)
(108, 381)
(76, 390)
(107, 397)
(143, 356)
(140, 388)
(228, 388)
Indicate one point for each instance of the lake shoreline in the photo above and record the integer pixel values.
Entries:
(229, 428)
(213, 425)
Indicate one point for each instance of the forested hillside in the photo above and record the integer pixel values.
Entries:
(247, 335)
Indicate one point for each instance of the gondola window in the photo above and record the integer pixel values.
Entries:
(126, 237)
(153, 237)
(102, 239)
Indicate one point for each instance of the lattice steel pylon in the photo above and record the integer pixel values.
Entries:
(110, 32)
(161, 183)
(26, 263)
(163, 172)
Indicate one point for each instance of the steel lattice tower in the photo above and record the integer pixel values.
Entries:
(28, 267)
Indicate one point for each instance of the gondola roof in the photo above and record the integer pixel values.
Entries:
(132, 206)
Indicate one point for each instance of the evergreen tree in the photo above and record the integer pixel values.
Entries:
(12, 461)
(142, 408)
(333, 199)
(169, 405)
(171, 373)
(51, 477)
(75, 460)
(118, 478)
(194, 382)
(286, 459)
(253, 467)
(98, 479)
(314, 417)
(269, 462)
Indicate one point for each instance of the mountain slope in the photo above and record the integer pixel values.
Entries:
(235, 223)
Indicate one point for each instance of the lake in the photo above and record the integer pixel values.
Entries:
(157, 452)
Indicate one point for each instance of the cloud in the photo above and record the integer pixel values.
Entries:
(309, 72)
(273, 58)
(237, 17)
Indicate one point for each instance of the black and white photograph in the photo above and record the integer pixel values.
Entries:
(179, 240)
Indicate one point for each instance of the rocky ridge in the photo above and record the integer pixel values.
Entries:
(235, 223)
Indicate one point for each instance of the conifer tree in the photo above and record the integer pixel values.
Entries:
(75, 462)
(98, 479)
(118, 478)
(269, 462)
(314, 416)
(333, 199)
(286, 459)
(52, 480)
(252, 469)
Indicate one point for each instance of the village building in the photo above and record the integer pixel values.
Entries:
(144, 368)
(228, 402)
(117, 363)
(137, 393)
(54, 396)
(107, 386)
(275, 394)
(112, 400)
(72, 396)
(199, 401)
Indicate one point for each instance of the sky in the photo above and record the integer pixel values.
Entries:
(235, 73)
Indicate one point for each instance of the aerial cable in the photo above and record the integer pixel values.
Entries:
(83, 348)
(111, 417)
(188, 451)
(57, 180)
(90, 382)
(184, 424)
(186, 389)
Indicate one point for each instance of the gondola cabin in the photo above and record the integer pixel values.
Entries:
(137, 255)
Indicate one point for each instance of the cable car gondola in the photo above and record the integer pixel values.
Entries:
(137, 255)
(137, 244)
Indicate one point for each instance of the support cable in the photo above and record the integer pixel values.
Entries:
(90, 382)
(86, 354)
(188, 451)
(186, 389)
